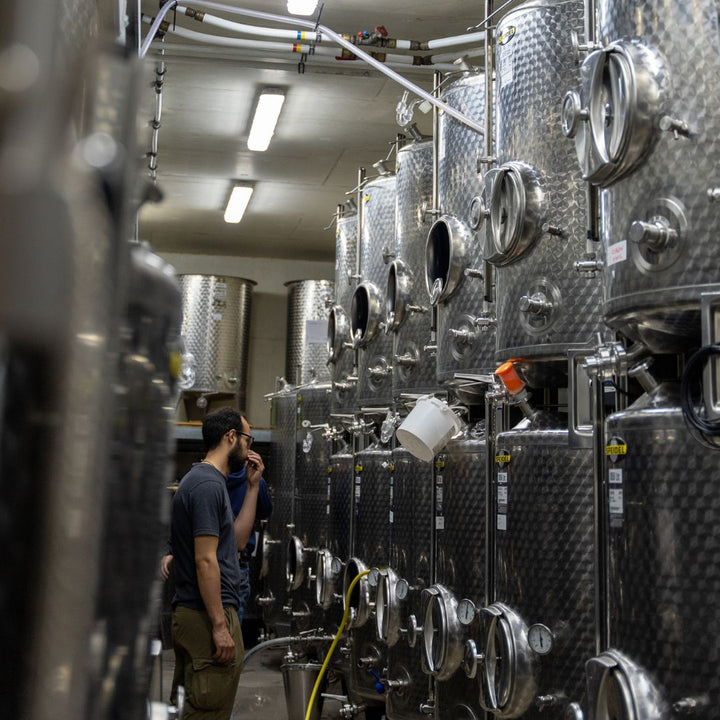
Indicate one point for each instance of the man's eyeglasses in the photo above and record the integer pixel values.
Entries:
(250, 438)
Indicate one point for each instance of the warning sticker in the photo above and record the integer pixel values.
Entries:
(502, 522)
(617, 253)
(615, 492)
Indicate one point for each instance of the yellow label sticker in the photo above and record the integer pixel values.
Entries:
(507, 35)
(616, 449)
(502, 458)
(358, 468)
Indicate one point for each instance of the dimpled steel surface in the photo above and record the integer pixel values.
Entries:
(372, 546)
(280, 475)
(458, 184)
(216, 331)
(306, 354)
(345, 259)
(665, 551)
(653, 306)
(414, 187)
(534, 69)
(544, 559)
(410, 557)
(460, 550)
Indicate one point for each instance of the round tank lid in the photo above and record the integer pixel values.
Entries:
(510, 378)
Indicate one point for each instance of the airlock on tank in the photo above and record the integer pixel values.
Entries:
(539, 630)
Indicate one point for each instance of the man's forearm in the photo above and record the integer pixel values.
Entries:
(245, 519)
(208, 575)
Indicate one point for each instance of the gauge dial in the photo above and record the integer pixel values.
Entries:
(540, 638)
(374, 577)
(401, 589)
(466, 611)
(336, 566)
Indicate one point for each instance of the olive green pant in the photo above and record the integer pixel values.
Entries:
(209, 688)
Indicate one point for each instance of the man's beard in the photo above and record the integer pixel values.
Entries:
(236, 460)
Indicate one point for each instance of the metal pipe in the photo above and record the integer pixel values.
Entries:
(331, 34)
(275, 642)
(590, 33)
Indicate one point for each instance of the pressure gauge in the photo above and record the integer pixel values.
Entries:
(373, 577)
(466, 611)
(401, 589)
(336, 566)
(540, 638)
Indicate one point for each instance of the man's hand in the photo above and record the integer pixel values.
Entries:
(224, 645)
(254, 468)
(165, 564)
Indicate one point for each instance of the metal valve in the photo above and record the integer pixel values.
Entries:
(589, 267)
(351, 710)
(545, 701)
(713, 194)
(674, 125)
(462, 337)
(345, 651)
(396, 685)
(691, 705)
(412, 632)
(657, 234)
(406, 360)
(549, 229)
(427, 707)
(416, 308)
(474, 273)
(264, 600)
(485, 322)
(536, 304)
(387, 255)
(424, 211)
(379, 371)
(287, 609)
(368, 661)
(572, 114)
(579, 47)
(432, 349)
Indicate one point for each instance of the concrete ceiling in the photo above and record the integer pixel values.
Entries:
(337, 116)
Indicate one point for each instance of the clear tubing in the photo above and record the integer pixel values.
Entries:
(469, 122)
(284, 48)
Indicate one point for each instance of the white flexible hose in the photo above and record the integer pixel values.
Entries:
(361, 54)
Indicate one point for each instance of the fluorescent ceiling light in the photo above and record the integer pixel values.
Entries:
(265, 119)
(301, 7)
(238, 202)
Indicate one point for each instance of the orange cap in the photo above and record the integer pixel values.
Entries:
(510, 379)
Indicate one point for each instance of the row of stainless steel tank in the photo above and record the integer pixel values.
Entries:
(559, 557)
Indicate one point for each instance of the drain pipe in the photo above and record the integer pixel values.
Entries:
(338, 39)
(276, 642)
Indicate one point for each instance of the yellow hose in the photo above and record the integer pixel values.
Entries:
(345, 616)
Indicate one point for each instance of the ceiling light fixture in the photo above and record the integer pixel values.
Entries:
(265, 119)
(238, 202)
(301, 7)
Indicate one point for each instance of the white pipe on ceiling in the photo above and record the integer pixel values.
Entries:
(342, 42)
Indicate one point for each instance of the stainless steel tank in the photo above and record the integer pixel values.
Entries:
(450, 622)
(539, 629)
(310, 525)
(407, 309)
(367, 315)
(216, 332)
(371, 548)
(275, 533)
(536, 197)
(454, 265)
(341, 357)
(664, 571)
(398, 607)
(306, 356)
(645, 123)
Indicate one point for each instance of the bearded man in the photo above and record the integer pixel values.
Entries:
(205, 538)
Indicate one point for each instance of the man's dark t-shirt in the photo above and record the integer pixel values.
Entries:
(201, 506)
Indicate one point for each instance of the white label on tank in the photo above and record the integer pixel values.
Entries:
(617, 253)
(316, 332)
(439, 494)
(502, 522)
(502, 494)
(506, 69)
(439, 522)
(220, 291)
(441, 148)
(392, 517)
(615, 493)
(217, 316)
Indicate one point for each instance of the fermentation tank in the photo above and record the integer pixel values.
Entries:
(539, 629)
(664, 566)
(536, 197)
(367, 317)
(371, 548)
(407, 309)
(450, 624)
(216, 331)
(398, 607)
(645, 119)
(341, 357)
(455, 272)
(306, 356)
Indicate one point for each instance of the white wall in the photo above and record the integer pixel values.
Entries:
(268, 320)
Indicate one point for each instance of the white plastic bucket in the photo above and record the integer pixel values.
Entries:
(428, 428)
